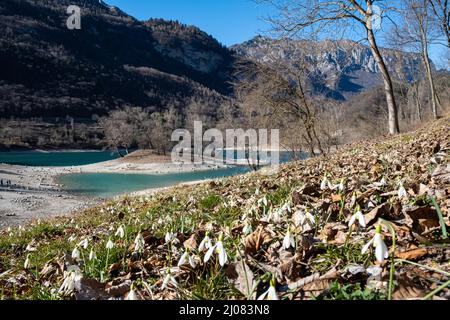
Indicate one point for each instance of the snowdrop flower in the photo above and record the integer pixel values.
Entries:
(271, 293)
(380, 184)
(381, 250)
(205, 243)
(340, 187)
(72, 278)
(109, 244)
(220, 250)
(27, 263)
(84, 244)
(139, 243)
(92, 255)
(286, 207)
(325, 183)
(30, 248)
(402, 192)
(301, 219)
(187, 258)
(170, 237)
(263, 202)
(274, 215)
(76, 253)
(132, 296)
(169, 279)
(289, 240)
(357, 216)
(120, 232)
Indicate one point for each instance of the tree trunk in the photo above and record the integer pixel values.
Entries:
(426, 61)
(416, 98)
(394, 127)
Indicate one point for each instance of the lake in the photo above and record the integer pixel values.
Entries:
(56, 159)
(106, 185)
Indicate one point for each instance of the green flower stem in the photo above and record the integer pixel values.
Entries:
(436, 291)
(424, 266)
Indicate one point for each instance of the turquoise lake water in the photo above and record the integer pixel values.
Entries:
(107, 185)
(55, 159)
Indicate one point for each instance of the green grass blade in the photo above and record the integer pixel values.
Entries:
(441, 218)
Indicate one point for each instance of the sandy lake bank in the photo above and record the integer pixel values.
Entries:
(30, 193)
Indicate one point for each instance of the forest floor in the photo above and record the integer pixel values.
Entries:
(288, 235)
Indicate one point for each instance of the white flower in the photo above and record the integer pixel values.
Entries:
(84, 244)
(381, 250)
(357, 216)
(340, 187)
(402, 192)
(170, 237)
(169, 279)
(220, 250)
(75, 253)
(289, 240)
(263, 202)
(27, 263)
(120, 232)
(187, 258)
(132, 295)
(72, 278)
(382, 183)
(271, 293)
(139, 243)
(109, 245)
(301, 219)
(30, 248)
(274, 215)
(286, 207)
(92, 255)
(72, 238)
(205, 243)
(325, 183)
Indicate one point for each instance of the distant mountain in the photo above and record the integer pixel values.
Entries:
(336, 69)
(48, 70)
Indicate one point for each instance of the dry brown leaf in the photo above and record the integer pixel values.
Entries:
(336, 197)
(241, 277)
(256, 240)
(376, 213)
(191, 243)
(412, 254)
(407, 289)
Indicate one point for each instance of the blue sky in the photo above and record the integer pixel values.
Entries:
(229, 21)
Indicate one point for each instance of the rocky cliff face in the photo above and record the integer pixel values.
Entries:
(336, 69)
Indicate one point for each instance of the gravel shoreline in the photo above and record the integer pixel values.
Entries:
(35, 194)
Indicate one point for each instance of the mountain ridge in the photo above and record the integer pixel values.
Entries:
(341, 68)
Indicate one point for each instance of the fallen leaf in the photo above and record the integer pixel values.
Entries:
(256, 240)
(241, 277)
(412, 254)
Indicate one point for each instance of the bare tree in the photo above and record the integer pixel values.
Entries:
(441, 10)
(119, 131)
(276, 96)
(417, 33)
(312, 17)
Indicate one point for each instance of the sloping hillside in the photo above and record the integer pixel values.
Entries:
(114, 60)
(288, 231)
